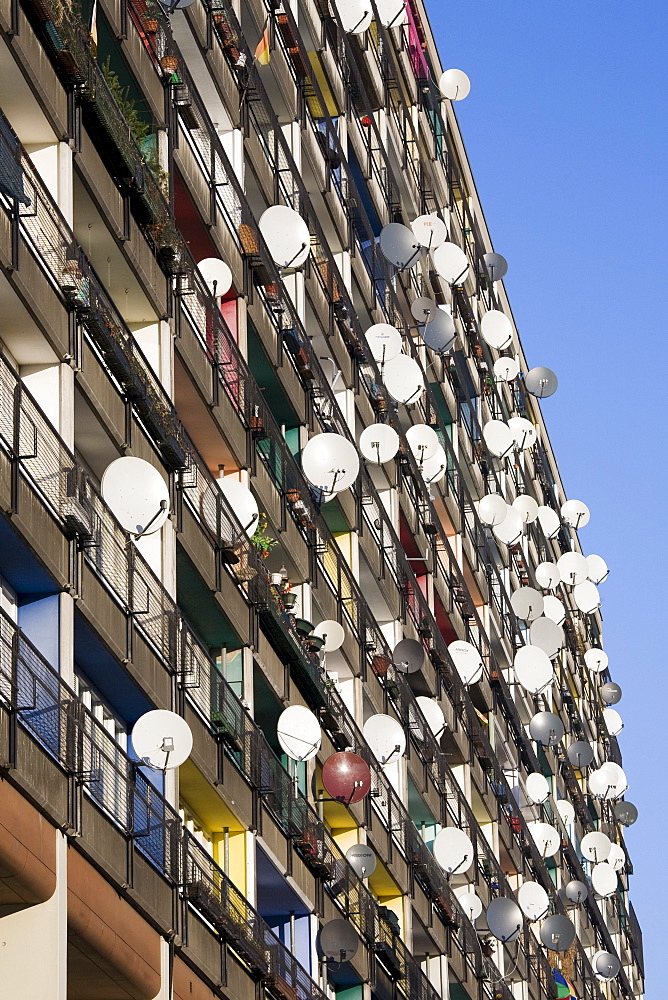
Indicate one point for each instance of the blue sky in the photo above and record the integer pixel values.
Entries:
(566, 129)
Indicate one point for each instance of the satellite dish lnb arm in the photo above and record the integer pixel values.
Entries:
(159, 511)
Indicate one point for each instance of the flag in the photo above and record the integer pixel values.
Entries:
(565, 990)
(262, 53)
(93, 27)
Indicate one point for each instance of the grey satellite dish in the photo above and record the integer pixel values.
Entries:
(451, 263)
(408, 656)
(391, 13)
(299, 733)
(576, 892)
(423, 309)
(541, 382)
(471, 905)
(170, 6)
(399, 245)
(598, 569)
(547, 573)
(492, 509)
(546, 838)
(546, 728)
(537, 788)
(333, 634)
(454, 84)
(384, 342)
(286, 235)
(604, 879)
(496, 329)
(557, 932)
(433, 714)
(339, 941)
(595, 846)
(403, 379)
(573, 568)
(567, 811)
(547, 635)
(616, 858)
(613, 721)
(162, 740)
(575, 513)
(453, 850)
(511, 529)
(242, 502)
(523, 431)
(137, 494)
(533, 669)
(587, 597)
(580, 754)
(506, 369)
(527, 603)
(423, 441)
(356, 15)
(504, 919)
(606, 966)
(379, 443)
(362, 860)
(554, 609)
(216, 274)
(534, 901)
(439, 333)
(330, 462)
(626, 813)
(497, 266)
(386, 738)
(611, 693)
(549, 521)
(527, 507)
(430, 231)
(467, 661)
(596, 660)
(498, 437)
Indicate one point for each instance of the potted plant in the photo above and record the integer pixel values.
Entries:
(262, 541)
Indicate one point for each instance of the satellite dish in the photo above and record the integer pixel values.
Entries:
(362, 860)
(386, 738)
(137, 494)
(605, 965)
(576, 892)
(346, 777)
(566, 811)
(605, 785)
(547, 574)
(587, 597)
(333, 634)
(454, 84)
(330, 462)
(546, 728)
(547, 635)
(467, 661)
(423, 309)
(403, 379)
(453, 850)
(241, 501)
(471, 905)
(604, 879)
(572, 567)
(423, 441)
(492, 509)
(537, 788)
(216, 274)
(626, 813)
(527, 603)
(497, 266)
(440, 332)
(613, 721)
(496, 330)
(400, 245)
(617, 778)
(511, 528)
(596, 660)
(541, 382)
(430, 231)
(391, 13)
(575, 513)
(338, 938)
(616, 858)
(546, 838)
(524, 432)
(384, 342)
(506, 369)
(434, 469)
(451, 263)
(504, 919)
(408, 656)
(534, 901)
(580, 754)
(433, 714)
(162, 740)
(379, 443)
(498, 437)
(597, 569)
(554, 609)
(549, 521)
(595, 846)
(299, 733)
(527, 507)
(611, 693)
(286, 235)
(557, 932)
(356, 15)
(533, 669)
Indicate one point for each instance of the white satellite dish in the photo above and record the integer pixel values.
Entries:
(597, 568)
(527, 507)
(332, 632)
(399, 245)
(524, 432)
(496, 330)
(379, 443)
(504, 919)
(384, 342)
(604, 879)
(216, 274)
(467, 661)
(433, 714)
(241, 501)
(596, 660)
(391, 13)
(386, 738)
(403, 379)
(547, 573)
(575, 513)
(162, 739)
(451, 263)
(546, 838)
(286, 235)
(566, 810)
(613, 721)
(137, 495)
(553, 608)
(537, 787)
(606, 784)
(533, 669)
(617, 778)
(534, 901)
(299, 733)
(572, 567)
(547, 635)
(453, 850)
(511, 529)
(434, 469)
(423, 441)
(356, 15)
(506, 369)
(587, 597)
(471, 905)
(595, 846)
(492, 509)
(616, 857)
(454, 84)
(498, 438)
(527, 603)
(549, 521)
(330, 462)
(430, 230)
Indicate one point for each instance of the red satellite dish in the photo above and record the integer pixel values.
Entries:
(346, 777)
